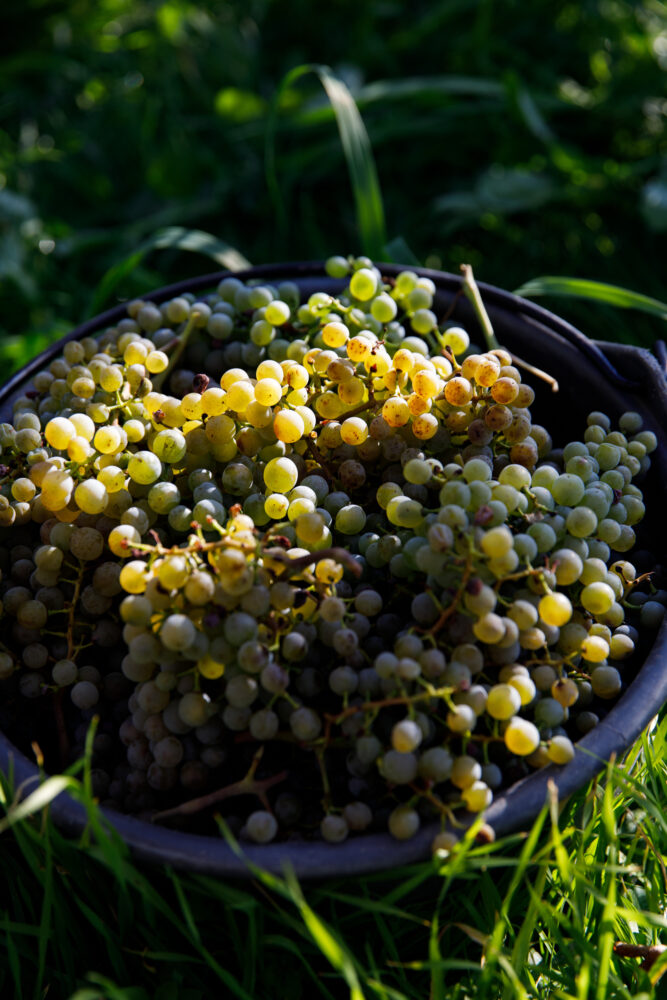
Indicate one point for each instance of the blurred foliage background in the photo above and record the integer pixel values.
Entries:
(526, 139)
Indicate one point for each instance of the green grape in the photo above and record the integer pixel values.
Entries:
(350, 519)
(280, 475)
(363, 284)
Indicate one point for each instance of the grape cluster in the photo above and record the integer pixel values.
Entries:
(341, 572)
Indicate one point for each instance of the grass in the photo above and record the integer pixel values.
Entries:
(536, 915)
(523, 139)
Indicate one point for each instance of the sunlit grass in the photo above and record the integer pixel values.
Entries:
(535, 915)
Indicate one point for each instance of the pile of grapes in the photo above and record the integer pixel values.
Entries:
(340, 581)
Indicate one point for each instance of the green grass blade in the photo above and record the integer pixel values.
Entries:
(172, 238)
(430, 86)
(41, 797)
(46, 914)
(526, 106)
(358, 155)
(282, 941)
(598, 291)
(609, 914)
(437, 991)
(384, 992)
(111, 990)
(528, 926)
(328, 943)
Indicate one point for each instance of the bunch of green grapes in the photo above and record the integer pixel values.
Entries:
(341, 566)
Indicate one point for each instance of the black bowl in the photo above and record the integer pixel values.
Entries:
(591, 375)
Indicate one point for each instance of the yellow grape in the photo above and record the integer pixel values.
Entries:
(268, 391)
(59, 432)
(270, 369)
(396, 411)
(425, 426)
(288, 426)
(354, 430)
(358, 348)
(239, 395)
(335, 334)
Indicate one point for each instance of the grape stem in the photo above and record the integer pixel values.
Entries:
(326, 786)
(537, 372)
(472, 293)
(336, 553)
(451, 608)
(372, 706)
(63, 740)
(315, 452)
(519, 575)
(443, 809)
(248, 785)
(71, 620)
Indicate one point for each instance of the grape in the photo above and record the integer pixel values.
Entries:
(192, 709)
(652, 614)
(477, 796)
(357, 816)
(406, 736)
(549, 713)
(606, 681)
(465, 770)
(86, 543)
(363, 284)
(503, 701)
(334, 829)
(597, 597)
(436, 764)
(32, 614)
(84, 694)
(444, 843)
(305, 724)
(560, 750)
(264, 724)
(280, 475)
(261, 826)
(168, 752)
(399, 768)
(350, 519)
(521, 737)
(64, 673)
(403, 822)
(461, 719)
(555, 609)
(343, 680)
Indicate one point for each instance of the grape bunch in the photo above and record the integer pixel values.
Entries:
(312, 564)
